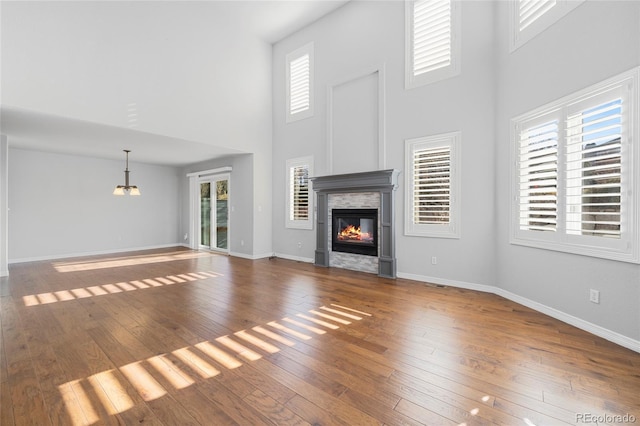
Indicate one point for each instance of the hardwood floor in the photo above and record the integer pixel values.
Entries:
(176, 337)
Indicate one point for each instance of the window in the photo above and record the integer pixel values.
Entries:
(299, 207)
(300, 83)
(531, 17)
(432, 41)
(433, 186)
(573, 172)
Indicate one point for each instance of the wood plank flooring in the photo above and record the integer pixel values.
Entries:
(178, 337)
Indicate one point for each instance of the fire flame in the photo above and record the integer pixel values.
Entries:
(354, 233)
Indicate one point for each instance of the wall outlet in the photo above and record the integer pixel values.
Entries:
(594, 296)
(434, 260)
(186, 237)
(299, 244)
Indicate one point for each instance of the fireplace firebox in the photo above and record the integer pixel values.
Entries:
(355, 231)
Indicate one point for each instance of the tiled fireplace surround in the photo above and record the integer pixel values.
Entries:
(371, 190)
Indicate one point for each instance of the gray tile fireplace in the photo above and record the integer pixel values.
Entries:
(358, 198)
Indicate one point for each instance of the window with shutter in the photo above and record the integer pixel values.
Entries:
(538, 177)
(530, 10)
(531, 17)
(432, 186)
(432, 41)
(299, 194)
(573, 178)
(300, 83)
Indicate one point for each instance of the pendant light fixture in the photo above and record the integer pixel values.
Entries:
(126, 188)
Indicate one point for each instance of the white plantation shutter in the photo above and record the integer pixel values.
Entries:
(528, 18)
(538, 177)
(432, 41)
(431, 35)
(432, 185)
(594, 170)
(299, 192)
(530, 10)
(576, 172)
(299, 196)
(299, 84)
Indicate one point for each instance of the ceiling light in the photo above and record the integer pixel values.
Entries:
(126, 188)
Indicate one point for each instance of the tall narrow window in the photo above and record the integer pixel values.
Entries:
(538, 177)
(432, 41)
(300, 83)
(531, 17)
(573, 176)
(594, 166)
(433, 186)
(299, 194)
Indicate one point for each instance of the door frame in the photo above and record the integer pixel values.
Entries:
(193, 236)
(213, 220)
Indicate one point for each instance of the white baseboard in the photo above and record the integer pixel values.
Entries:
(295, 258)
(4, 273)
(91, 253)
(250, 256)
(594, 329)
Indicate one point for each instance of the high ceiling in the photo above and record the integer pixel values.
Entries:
(30, 128)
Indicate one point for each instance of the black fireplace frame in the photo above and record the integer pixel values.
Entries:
(350, 247)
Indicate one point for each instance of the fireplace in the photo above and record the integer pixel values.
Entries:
(355, 231)
(364, 190)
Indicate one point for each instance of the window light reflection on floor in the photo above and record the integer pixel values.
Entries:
(104, 289)
(117, 262)
(104, 392)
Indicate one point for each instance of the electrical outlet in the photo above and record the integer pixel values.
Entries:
(299, 244)
(434, 260)
(594, 296)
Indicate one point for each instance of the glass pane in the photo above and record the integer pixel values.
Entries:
(222, 213)
(205, 214)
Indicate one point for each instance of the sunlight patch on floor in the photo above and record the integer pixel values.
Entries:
(117, 262)
(104, 289)
(156, 376)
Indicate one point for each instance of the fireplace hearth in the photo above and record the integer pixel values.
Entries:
(355, 231)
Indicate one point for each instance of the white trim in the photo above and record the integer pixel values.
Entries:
(194, 198)
(299, 223)
(4, 206)
(452, 229)
(307, 49)
(219, 170)
(518, 38)
(626, 249)
(294, 258)
(251, 256)
(382, 153)
(587, 326)
(412, 81)
(92, 253)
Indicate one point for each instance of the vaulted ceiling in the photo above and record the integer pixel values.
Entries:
(172, 81)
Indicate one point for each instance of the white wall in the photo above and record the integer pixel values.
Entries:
(183, 66)
(599, 39)
(4, 205)
(362, 36)
(596, 41)
(62, 205)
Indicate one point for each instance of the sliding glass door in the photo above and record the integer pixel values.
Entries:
(214, 213)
